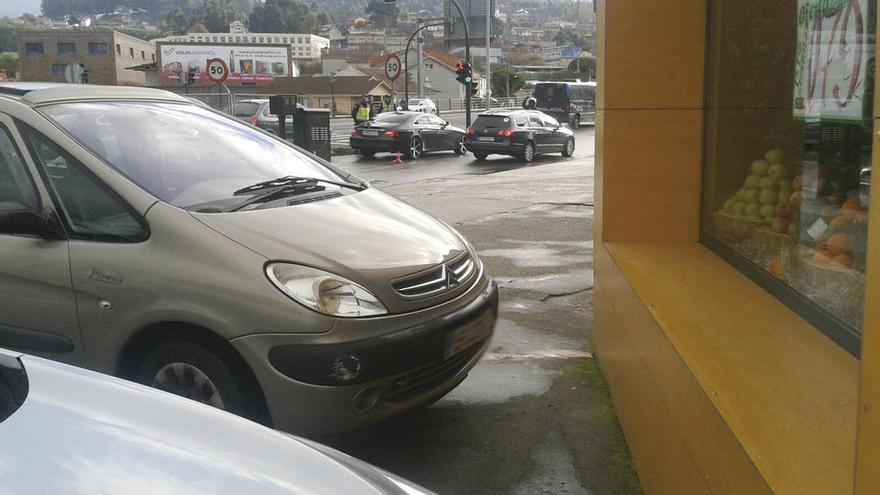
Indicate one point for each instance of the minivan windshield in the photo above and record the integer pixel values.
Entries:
(183, 154)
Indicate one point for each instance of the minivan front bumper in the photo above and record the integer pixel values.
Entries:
(335, 382)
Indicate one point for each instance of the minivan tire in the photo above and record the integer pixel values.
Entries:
(195, 358)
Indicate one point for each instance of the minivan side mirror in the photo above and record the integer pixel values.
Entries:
(17, 218)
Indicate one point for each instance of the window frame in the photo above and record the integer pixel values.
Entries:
(57, 204)
(93, 48)
(66, 44)
(30, 52)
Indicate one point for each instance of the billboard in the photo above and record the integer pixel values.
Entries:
(247, 63)
(834, 59)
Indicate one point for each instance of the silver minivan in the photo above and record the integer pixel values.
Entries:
(150, 238)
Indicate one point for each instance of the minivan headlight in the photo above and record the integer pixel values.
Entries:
(324, 292)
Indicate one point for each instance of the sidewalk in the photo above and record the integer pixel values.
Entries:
(535, 415)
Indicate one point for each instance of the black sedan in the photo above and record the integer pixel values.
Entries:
(516, 132)
(411, 133)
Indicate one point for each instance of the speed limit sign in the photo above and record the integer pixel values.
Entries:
(217, 70)
(392, 67)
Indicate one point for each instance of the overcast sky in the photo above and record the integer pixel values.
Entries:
(14, 8)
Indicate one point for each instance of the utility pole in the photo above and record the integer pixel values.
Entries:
(419, 42)
(489, 15)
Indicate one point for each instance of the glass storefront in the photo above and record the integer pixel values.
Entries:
(787, 152)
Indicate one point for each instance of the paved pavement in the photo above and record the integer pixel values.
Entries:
(534, 416)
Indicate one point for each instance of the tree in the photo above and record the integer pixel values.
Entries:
(502, 78)
(174, 22)
(283, 16)
(9, 61)
(216, 15)
(584, 65)
(382, 14)
(198, 28)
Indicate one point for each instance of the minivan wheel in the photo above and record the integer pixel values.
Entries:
(528, 153)
(189, 370)
(416, 149)
(460, 148)
(569, 148)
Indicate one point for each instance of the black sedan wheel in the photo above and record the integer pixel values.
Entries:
(569, 148)
(481, 157)
(416, 148)
(459, 147)
(528, 153)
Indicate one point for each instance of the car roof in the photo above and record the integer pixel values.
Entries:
(43, 93)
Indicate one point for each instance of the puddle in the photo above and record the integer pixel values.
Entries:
(500, 382)
(531, 254)
(542, 211)
(513, 339)
(556, 284)
(554, 469)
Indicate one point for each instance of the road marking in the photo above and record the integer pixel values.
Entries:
(531, 356)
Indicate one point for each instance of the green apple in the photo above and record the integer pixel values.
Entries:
(768, 197)
(753, 181)
(774, 156)
(776, 171)
(768, 183)
(740, 195)
(792, 229)
(750, 195)
(754, 218)
(768, 211)
(739, 208)
(752, 208)
(760, 167)
(785, 186)
(728, 205)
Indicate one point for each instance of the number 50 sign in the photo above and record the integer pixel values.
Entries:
(392, 67)
(217, 70)
(831, 62)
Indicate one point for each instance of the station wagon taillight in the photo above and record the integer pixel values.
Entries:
(391, 134)
(505, 133)
(255, 120)
(470, 131)
(354, 132)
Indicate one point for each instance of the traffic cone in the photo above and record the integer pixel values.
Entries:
(397, 160)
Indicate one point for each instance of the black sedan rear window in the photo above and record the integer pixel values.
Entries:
(492, 122)
(393, 118)
(246, 109)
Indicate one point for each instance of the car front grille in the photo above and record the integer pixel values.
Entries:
(421, 380)
(437, 280)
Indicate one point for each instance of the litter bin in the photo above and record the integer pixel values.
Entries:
(311, 131)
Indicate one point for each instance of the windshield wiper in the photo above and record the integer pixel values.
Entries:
(293, 181)
(278, 192)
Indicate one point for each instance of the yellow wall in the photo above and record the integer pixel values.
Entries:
(719, 387)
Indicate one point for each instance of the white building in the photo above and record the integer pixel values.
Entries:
(303, 46)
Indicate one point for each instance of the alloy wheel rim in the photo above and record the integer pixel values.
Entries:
(461, 147)
(530, 153)
(416, 148)
(188, 381)
(570, 147)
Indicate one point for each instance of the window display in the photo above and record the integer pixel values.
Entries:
(788, 144)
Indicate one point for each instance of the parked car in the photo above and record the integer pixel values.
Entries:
(150, 238)
(256, 112)
(423, 105)
(411, 133)
(516, 132)
(75, 431)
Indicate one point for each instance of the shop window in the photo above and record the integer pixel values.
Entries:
(33, 49)
(66, 48)
(97, 48)
(787, 156)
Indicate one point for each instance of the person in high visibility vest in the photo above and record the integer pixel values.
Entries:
(387, 105)
(362, 112)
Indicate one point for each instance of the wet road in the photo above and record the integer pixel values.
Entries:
(534, 416)
(380, 172)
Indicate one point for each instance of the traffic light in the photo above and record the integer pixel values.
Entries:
(84, 75)
(190, 77)
(464, 71)
(474, 88)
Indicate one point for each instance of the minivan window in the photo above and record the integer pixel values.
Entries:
(183, 154)
(93, 212)
(15, 185)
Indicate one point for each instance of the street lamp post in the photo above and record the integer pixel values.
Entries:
(333, 94)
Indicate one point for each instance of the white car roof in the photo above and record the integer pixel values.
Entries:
(43, 93)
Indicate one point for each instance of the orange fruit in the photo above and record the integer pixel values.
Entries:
(851, 205)
(775, 267)
(838, 243)
(843, 260)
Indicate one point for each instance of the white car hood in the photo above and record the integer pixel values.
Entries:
(82, 432)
